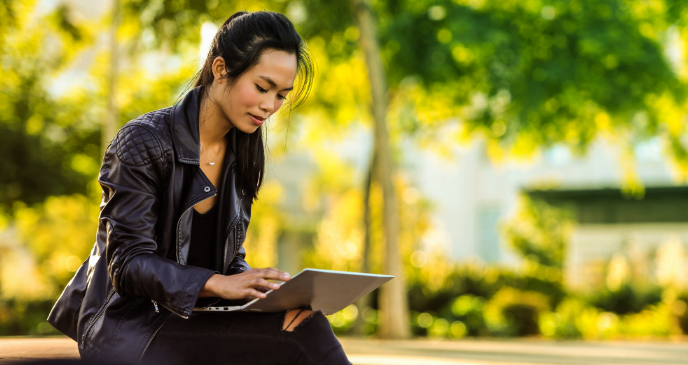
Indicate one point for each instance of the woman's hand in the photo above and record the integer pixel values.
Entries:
(251, 283)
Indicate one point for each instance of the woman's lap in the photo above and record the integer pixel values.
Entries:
(244, 338)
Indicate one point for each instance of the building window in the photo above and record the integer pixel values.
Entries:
(488, 234)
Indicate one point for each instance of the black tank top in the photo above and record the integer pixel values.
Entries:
(203, 250)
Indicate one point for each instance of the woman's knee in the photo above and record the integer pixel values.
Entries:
(315, 337)
(293, 318)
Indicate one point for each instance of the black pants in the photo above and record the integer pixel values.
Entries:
(244, 338)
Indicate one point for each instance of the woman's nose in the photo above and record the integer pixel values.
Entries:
(267, 106)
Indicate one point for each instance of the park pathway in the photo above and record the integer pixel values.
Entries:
(514, 352)
(432, 352)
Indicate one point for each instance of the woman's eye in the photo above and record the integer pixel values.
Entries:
(264, 91)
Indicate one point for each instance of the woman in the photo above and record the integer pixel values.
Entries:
(178, 185)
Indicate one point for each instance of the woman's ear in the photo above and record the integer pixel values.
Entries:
(218, 68)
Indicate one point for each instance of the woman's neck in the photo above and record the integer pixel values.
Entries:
(212, 125)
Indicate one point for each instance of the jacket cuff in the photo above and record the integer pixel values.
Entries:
(192, 290)
(236, 270)
(209, 301)
(238, 266)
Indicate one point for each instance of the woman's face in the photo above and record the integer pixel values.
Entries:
(258, 93)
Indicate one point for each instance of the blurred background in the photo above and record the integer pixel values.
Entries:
(519, 165)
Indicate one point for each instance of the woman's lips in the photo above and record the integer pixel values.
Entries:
(256, 120)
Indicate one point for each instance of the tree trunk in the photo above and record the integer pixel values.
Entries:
(364, 302)
(394, 319)
(110, 120)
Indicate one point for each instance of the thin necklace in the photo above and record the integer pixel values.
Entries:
(218, 152)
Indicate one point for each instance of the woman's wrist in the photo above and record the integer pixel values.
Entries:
(208, 289)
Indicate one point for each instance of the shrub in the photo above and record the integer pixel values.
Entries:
(679, 309)
(513, 312)
(626, 299)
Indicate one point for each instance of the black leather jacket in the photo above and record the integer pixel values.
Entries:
(136, 276)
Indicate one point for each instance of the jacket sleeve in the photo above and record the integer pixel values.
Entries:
(239, 264)
(132, 176)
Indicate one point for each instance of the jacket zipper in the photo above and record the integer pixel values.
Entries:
(152, 337)
(234, 247)
(236, 240)
(180, 220)
(234, 244)
(95, 319)
(157, 310)
(234, 251)
(173, 311)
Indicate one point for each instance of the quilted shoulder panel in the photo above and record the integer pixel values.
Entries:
(157, 119)
(137, 145)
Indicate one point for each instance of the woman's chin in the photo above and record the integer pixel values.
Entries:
(248, 129)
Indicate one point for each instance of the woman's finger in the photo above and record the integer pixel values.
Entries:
(255, 293)
(263, 289)
(266, 284)
(274, 274)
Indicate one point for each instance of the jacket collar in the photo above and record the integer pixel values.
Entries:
(185, 132)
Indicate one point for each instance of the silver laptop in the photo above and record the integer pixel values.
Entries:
(324, 290)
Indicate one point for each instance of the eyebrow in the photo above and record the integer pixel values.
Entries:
(269, 80)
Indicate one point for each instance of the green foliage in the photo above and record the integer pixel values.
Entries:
(626, 299)
(467, 279)
(469, 310)
(510, 305)
(512, 312)
(539, 232)
(48, 140)
(55, 234)
(679, 308)
(343, 320)
(39, 255)
(46, 163)
(574, 318)
(566, 321)
(546, 69)
(21, 317)
(481, 281)
(486, 300)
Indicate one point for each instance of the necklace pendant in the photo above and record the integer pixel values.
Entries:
(212, 163)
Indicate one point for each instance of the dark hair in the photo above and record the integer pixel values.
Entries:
(241, 41)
